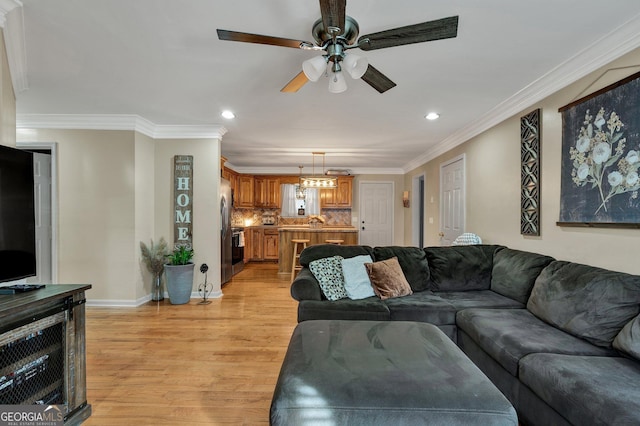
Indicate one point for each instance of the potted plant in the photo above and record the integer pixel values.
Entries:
(179, 272)
(155, 256)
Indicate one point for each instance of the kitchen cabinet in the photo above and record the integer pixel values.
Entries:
(244, 192)
(263, 244)
(270, 244)
(267, 192)
(340, 197)
(257, 237)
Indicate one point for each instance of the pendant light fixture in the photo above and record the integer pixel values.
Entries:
(318, 181)
(301, 192)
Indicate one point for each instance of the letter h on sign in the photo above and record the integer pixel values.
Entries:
(183, 200)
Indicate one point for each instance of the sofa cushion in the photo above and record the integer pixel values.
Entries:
(387, 279)
(320, 251)
(423, 306)
(628, 340)
(328, 272)
(460, 268)
(514, 272)
(356, 280)
(587, 390)
(509, 334)
(413, 261)
(371, 308)
(588, 302)
(478, 299)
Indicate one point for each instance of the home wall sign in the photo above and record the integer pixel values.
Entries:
(530, 173)
(601, 157)
(183, 200)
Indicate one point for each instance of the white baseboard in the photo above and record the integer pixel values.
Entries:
(141, 301)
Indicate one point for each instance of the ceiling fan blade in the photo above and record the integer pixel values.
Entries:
(418, 33)
(261, 39)
(333, 14)
(377, 80)
(296, 83)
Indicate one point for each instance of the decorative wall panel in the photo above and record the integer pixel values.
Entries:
(530, 144)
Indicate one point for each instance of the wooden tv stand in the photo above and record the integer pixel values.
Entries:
(42, 341)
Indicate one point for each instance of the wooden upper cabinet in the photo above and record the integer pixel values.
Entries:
(340, 197)
(243, 195)
(267, 192)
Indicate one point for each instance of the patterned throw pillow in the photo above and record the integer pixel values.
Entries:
(328, 272)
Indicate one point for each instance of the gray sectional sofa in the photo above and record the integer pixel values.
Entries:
(561, 340)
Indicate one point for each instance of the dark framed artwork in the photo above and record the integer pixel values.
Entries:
(530, 131)
(601, 158)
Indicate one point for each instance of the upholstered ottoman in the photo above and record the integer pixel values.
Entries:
(382, 373)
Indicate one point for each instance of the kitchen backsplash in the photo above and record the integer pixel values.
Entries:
(253, 217)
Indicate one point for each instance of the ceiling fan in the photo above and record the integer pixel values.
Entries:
(335, 33)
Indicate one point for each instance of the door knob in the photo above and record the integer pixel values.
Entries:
(441, 234)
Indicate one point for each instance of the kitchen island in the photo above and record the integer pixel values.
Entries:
(315, 236)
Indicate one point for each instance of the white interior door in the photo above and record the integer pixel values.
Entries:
(452, 201)
(42, 190)
(376, 213)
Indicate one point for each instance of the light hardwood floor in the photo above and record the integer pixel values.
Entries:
(191, 364)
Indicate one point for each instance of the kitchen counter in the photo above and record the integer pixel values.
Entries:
(323, 229)
(315, 236)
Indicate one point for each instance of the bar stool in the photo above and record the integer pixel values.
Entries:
(336, 242)
(295, 264)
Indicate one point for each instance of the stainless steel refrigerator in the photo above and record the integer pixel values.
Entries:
(225, 230)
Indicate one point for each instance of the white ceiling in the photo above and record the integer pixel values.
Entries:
(161, 61)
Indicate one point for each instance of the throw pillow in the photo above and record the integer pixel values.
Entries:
(588, 302)
(356, 280)
(412, 260)
(387, 279)
(328, 272)
(628, 340)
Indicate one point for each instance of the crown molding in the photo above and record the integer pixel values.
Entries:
(7, 6)
(617, 43)
(295, 170)
(118, 122)
(14, 40)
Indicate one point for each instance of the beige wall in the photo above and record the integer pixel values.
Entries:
(144, 204)
(7, 100)
(115, 190)
(493, 186)
(398, 210)
(206, 200)
(96, 210)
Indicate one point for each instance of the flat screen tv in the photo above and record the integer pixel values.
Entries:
(17, 215)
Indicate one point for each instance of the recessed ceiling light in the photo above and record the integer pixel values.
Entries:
(228, 114)
(432, 116)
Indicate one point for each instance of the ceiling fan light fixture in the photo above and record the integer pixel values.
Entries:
(314, 68)
(355, 65)
(337, 82)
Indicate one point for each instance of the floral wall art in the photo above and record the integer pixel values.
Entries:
(601, 157)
